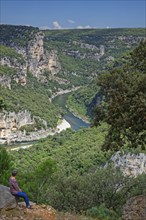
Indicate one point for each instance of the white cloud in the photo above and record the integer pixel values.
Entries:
(56, 25)
(84, 27)
(71, 21)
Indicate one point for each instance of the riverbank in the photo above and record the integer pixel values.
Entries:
(61, 92)
(78, 116)
(60, 127)
(69, 121)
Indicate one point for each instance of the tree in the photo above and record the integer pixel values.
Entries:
(124, 104)
(5, 165)
(2, 104)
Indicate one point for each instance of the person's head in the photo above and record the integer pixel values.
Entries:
(14, 172)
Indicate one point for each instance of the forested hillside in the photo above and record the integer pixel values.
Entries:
(72, 171)
(35, 65)
(69, 172)
(120, 101)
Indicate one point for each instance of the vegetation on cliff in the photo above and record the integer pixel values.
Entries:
(34, 97)
(10, 54)
(84, 53)
(123, 100)
(13, 35)
(124, 104)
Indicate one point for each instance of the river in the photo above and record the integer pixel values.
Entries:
(75, 122)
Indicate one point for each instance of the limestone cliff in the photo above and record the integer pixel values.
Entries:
(19, 68)
(40, 60)
(130, 164)
(36, 60)
(11, 122)
(23, 52)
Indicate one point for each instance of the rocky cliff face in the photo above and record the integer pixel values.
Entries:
(95, 52)
(130, 164)
(17, 59)
(39, 60)
(11, 122)
(21, 72)
(36, 60)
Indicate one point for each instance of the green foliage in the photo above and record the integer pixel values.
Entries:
(8, 71)
(40, 180)
(2, 104)
(123, 107)
(67, 171)
(11, 54)
(73, 151)
(104, 186)
(20, 34)
(34, 97)
(102, 212)
(79, 101)
(5, 165)
(80, 64)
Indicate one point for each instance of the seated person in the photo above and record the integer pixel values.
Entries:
(16, 191)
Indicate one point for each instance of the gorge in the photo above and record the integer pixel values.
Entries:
(37, 64)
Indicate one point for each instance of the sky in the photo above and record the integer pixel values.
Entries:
(68, 14)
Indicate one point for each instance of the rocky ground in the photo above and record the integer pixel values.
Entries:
(38, 212)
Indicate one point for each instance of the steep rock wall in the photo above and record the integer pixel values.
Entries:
(130, 164)
(36, 61)
(11, 122)
(21, 72)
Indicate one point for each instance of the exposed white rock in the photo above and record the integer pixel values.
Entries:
(63, 126)
(21, 72)
(130, 164)
(36, 61)
(11, 122)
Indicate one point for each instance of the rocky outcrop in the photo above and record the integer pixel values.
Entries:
(19, 68)
(5, 81)
(95, 52)
(135, 208)
(36, 60)
(11, 122)
(7, 201)
(39, 212)
(8, 211)
(130, 164)
(53, 65)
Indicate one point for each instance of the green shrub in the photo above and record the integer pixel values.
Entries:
(101, 212)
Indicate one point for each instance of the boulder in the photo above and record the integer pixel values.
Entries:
(135, 208)
(7, 200)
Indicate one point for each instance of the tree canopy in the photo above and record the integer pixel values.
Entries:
(124, 104)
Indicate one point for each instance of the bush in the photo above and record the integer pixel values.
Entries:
(103, 213)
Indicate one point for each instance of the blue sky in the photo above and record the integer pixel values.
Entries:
(74, 14)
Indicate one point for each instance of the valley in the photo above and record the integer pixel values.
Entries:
(77, 98)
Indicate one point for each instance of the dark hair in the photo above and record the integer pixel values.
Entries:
(14, 172)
